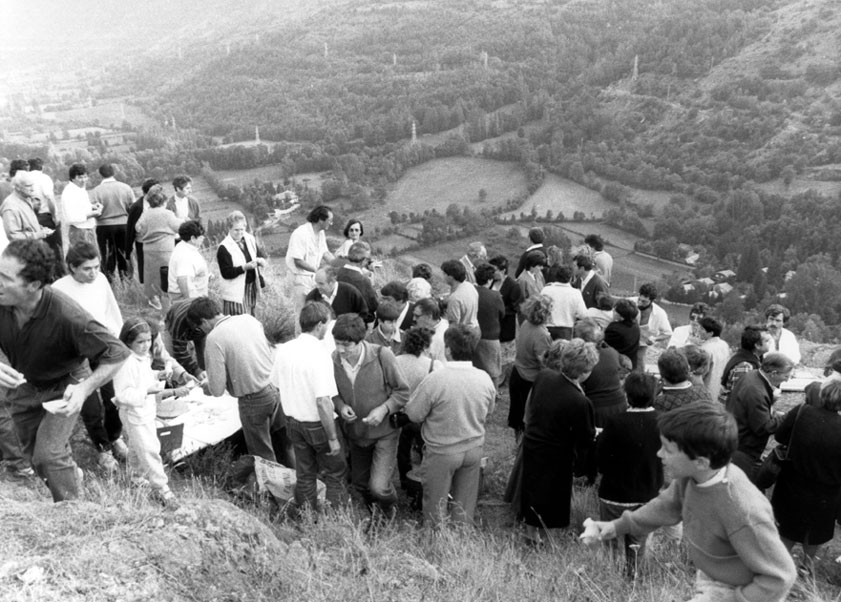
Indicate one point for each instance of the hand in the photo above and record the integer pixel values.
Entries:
(75, 396)
(606, 530)
(45, 232)
(10, 378)
(347, 414)
(335, 447)
(202, 377)
(250, 265)
(188, 380)
(181, 391)
(261, 262)
(376, 416)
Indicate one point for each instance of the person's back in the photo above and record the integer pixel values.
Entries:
(239, 341)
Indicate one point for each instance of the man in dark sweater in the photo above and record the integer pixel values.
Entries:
(359, 257)
(344, 298)
(488, 356)
(678, 390)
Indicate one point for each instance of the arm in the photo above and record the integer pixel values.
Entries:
(399, 389)
(661, 330)
(454, 311)
(758, 413)
(183, 283)
(214, 363)
(760, 549)
(325, 414)
(226, 264)
(784, 431)
(420, 403)
(15, 231)
(128, 388)
(75, 395)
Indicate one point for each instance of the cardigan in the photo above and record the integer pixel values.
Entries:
(232, 262)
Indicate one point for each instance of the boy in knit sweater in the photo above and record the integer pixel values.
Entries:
(728, 524)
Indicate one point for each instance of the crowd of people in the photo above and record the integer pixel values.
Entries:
(401, 378)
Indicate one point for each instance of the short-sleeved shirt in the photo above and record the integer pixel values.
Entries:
(55, 340)
(306, 244)
(77, 205)
(303, 372)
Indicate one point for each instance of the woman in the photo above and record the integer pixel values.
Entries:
(808, 491)
(156, 230)
(353, 233)
(604, 386)
(240, 260)
(559, 428)
(188, 273)
(623, 334)
(531, 279)
(532, 343)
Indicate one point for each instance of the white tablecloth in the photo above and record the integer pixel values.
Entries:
(207, 421)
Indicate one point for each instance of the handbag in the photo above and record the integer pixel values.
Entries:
(772, 464)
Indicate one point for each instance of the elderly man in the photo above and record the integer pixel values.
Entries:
(476, 254)
(776, 316)
(353, 272)
(307, 251)
(50, 342)
(18, 210)
(463, 302)
(344, 298)
(115, 198)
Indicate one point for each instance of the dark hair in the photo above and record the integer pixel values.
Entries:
(429, 307)
(76, 170)
(37, 258)
(751, 337)
(594, 241)
(648, 290)
(388, 311)
(831, 396)
(454, 269)
(604, 301)
(673, 367)
(358, 251)
(16, 165)
(396, 290)
(484, 274)
(133, 327)
(775, 362)
(701, 429)
(776, 308)
(179, 182)
(700, 308)
(81, 252)
(202, 308)
(322, 212)
(536, 235)
(350, 327)
(559, 273)
(36, 164)
(415, 340)
(834, 361)
(461, 340)
(190, 229)
(422, 270)
(698, 359)
(535, 258)
(627, 309)
(106, 170)
(584, 262)
(640, 389)
(147, 184)
(350, 223)
(313, 314)
(499, 262)
(710, 325)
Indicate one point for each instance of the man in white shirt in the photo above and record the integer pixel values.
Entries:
(306, 252)
(79, 212)
(719, 352)
(691, 333)
(303, 373)
(115, 198)
(567, 302)
(653, 321)
(182, 203)
(784, 340)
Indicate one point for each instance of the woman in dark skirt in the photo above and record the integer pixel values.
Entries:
(808, 491)
(532, 342)
(559, 426)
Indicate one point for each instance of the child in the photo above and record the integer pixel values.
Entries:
(386, 333)
(627, 458)
(728, 523)
(136, 393)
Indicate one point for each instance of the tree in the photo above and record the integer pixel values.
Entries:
(788, 174)
(748, 264)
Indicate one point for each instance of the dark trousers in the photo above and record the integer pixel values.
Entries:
(112, 249)
(102, 418)
(54, 240)
(410, 440)
(309, 440)
(518, 389)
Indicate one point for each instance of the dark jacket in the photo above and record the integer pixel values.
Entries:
(491, 313)
(590, 292)
(627, 458)
(364, 286)
(512, 295)
(348, 300)
(625, 338)
(750, 402)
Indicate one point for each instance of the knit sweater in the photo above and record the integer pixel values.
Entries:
(453, 403)
(729, 530)
(157, 228)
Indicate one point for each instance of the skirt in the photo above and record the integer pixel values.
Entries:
(805, 510)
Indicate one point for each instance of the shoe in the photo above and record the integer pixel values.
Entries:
(156, 303)
(119, 449)
(80, 477)
(166, 499)
(21, 473)
(107, 462)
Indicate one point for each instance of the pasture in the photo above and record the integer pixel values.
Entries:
(212, 207)
(560, 195)
(111, 112)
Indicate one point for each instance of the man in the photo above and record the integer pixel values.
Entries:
(6, 186)
(187, 340)
(511, 297)
(567, 302)
(303, 372)
(89, 287)
(344, 298)
(49, 341)
(653, 321)
(463, 302)
(536, 237)
(399, 293)
(115, 198)
(488, 354)
(750, 402)
(590, 284)
(352, 272)
(718, 350)
(602, 259)
(691, 333)
(49, 215)
(453, 403)
(677, 389)
(370, 388)
(476, 254)
(428, 315)
(80, 213)
(20, 221)
(238, 359)
(307, 251)
(182, 203)
(754, 343)
(784, 340)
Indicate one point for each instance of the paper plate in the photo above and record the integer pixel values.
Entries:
(54, 405)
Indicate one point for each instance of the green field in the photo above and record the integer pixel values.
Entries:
(107, 112)
(558, 194)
